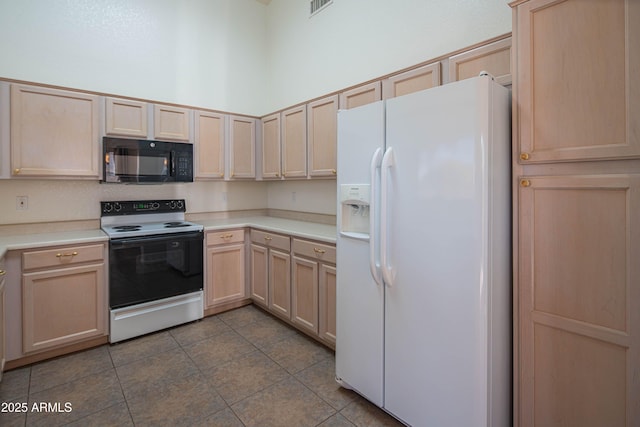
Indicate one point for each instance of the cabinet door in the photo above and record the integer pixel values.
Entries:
(62, 306)
(125, 117)
(271, 165)
(2, 323)
(327, 303)
(280, 283)
(305, 294)
(54, 133)
(242, 147)
(225, 274)
(322, 131)
(421, 78)
(579, 301)
(259, 275)
(210, 145)
(294, 142)
(171, 123)
(495, 58)
(576, 91)
(361, 95)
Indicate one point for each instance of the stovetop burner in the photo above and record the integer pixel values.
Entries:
(145, 218)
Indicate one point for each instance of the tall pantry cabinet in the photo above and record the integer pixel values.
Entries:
(576, 168)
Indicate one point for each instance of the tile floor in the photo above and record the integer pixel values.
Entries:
(239, 368)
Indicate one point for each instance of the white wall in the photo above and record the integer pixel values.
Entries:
(205, 53)
(353, 41)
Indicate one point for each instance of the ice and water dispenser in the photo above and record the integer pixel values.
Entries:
(354, 202)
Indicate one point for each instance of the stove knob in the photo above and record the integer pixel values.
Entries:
(155, 205)
(172, 204)
(180, 204)
(118, 207)
(107, 208)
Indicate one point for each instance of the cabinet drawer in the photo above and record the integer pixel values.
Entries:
(320, 251)
(271, 240)
(62, 256)
(224, 237)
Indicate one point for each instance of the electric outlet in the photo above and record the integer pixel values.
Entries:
(22, 203)
(293, 196)
(224, 196)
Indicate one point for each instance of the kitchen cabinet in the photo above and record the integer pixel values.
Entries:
(313, 288)
(271, 272)
(421, 78)
(294, 142)
(271, 153)
(63, 296)
(54, 133)
(322, 133)
(361, 95)
(171, 123)
(225, 268)
(242, 147)
(2, 319)
(576, 212)
(576, 80)
(210, 142)
(494, 58)
(125, 117)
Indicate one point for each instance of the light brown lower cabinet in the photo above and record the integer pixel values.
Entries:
(2, 321)
(313, 288)
(63, 296)
(271, 272)
(225, 268)
(579, 294)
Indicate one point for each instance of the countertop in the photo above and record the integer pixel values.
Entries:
(307, 230)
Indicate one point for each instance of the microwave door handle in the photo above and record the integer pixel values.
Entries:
(172, 163)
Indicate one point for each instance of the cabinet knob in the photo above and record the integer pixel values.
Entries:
(2, 272)
(333, 171)
(16, 171)
(525, 183)
(524, 156)
(277, 175)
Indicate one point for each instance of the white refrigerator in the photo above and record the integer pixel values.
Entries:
(424, 255)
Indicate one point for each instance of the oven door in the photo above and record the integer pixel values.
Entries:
(150, 268)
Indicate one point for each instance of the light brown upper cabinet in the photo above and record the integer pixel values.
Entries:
(54, 133)
(494, 58)
(422, 78)
(125, 117)
(294, 142)
(576, 85)
(271, 160)
(322, 132)
(171, 123)
(242, 147)
(210, 144)
(361, 95)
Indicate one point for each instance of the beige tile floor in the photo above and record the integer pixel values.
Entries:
(239, 368)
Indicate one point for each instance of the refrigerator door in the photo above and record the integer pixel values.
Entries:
(436, 312)
(360, 300)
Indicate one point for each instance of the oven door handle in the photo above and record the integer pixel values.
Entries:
(136, 241)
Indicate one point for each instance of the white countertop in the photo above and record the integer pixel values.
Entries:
(308, 230)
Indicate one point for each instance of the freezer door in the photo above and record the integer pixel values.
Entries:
(360, 300)
(436, 305)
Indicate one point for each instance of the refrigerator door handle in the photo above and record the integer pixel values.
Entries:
(388, 161)
(374, 265)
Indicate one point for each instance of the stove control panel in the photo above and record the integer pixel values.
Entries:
(137, 207)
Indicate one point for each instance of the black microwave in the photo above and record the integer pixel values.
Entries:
(142, 161)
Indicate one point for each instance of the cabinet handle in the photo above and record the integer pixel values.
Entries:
(59, 255)
(226, 236)
(319, 251)
(525, 183)
(2, 272)
(524, 156)
(268, 238)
